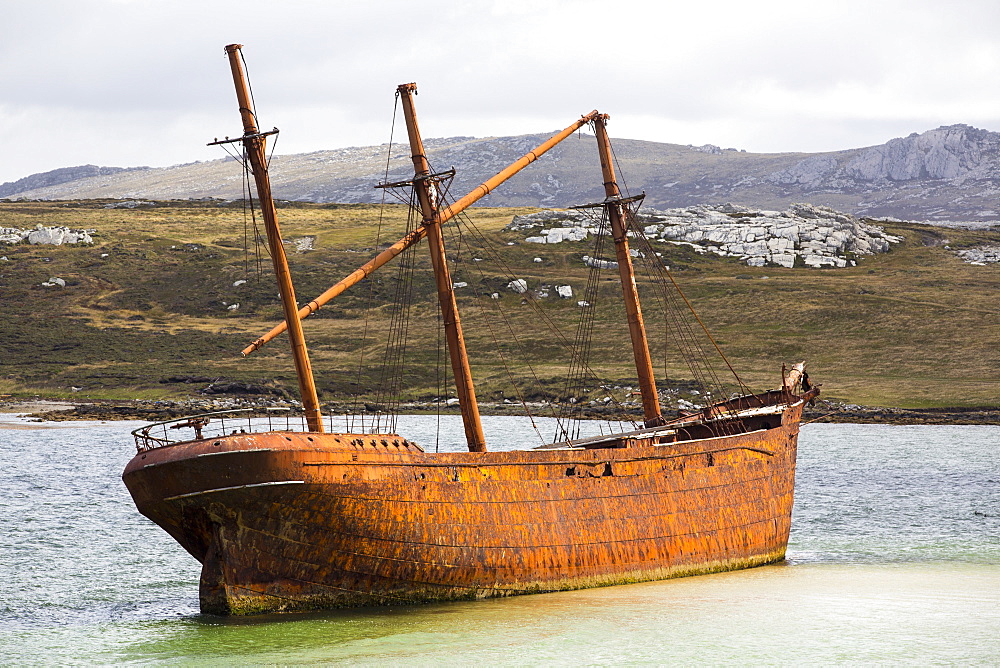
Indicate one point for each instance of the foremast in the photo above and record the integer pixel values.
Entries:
(255, 144)
(428, 196)
(619, 232)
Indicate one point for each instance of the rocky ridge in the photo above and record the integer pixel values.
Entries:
(806, 235)
(41, 234)
(951, 173)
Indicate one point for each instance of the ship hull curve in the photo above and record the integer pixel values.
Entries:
(291, 521)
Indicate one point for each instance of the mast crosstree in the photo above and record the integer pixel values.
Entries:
(428, 196)
(619, 233)
(255, 144)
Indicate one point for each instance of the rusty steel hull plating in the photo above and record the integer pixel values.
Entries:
(294, 521)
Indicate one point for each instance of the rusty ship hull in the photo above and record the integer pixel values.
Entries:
(297, 520)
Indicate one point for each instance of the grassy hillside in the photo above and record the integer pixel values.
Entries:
(146, 308)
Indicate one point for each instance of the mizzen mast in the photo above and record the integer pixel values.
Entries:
(619, 232)
(255, 143)
(428, 196)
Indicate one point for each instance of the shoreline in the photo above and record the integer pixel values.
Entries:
(158, 411)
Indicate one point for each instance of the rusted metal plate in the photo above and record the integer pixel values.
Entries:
(289, 521)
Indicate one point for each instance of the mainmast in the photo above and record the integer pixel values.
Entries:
(619, 232)
(254, 143)
(428, 196)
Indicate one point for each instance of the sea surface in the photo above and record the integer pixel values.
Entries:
(894, 558)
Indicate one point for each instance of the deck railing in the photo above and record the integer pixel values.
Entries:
(219, 423)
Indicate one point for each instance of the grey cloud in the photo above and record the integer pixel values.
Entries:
(767, 74)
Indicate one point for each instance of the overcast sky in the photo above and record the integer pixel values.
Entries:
(146, 82)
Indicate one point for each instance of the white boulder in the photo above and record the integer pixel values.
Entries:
(518, 285)
(599, 263)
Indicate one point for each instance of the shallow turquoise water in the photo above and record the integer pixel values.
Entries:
(894, 558)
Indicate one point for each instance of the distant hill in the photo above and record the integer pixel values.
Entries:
(58, 177)
(948, 174)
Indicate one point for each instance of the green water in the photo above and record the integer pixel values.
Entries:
(894, 559)
(912, 613)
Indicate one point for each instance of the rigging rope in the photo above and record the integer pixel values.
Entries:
(568, 424)
(585, 335)
(274, 145)
(388, 392)
(253, 103)
(530, 299)
(704, 373)
(247, 193)
(438, 383)
(657, 271)
(688, 343)
(496, 340)
(568, 419)
(371, 281)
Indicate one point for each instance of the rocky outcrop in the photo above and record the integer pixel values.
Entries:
(129, 204)
(809, 235)
(564, 219)
(804, 235)
(40, 234)
(808, 172)
(980, 256)
(945, 153)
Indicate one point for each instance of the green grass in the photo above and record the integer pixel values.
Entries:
(915, 327)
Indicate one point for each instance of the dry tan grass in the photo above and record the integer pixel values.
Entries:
(915, 327)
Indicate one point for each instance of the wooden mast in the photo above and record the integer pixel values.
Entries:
(254, 142)
(619, 232)
(427, 194)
